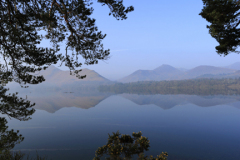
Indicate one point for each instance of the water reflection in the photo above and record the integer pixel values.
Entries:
(77, 123)
(54, 101)
(170, 101)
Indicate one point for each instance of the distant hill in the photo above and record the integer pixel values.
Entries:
(57, 76)
(56, 80)
(235, 74)
(164, 72)
(235, 66)
(203, 70)
(167, 72)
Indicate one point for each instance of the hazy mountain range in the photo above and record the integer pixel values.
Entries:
(167, 72)
(57, 79)
(56, 76)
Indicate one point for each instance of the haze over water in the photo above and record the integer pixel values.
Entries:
(185, 126)
(72, 125)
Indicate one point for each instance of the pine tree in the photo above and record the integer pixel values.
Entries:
(70, 20)
(224, 18)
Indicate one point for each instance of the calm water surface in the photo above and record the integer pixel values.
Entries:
(72, 126)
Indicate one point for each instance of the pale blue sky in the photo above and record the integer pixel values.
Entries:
(157, 32)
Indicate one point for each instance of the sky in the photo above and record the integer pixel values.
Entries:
(157, 32)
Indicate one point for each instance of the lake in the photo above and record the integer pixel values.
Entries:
(188, 127)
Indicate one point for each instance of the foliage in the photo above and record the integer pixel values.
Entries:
(13, 107)
(120, 147)
(62, 19)
(224, 18)
(192, 86)
(9, 138)
(20, 21)
(8, 155)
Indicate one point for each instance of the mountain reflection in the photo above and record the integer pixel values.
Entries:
(53, 101)
(170, 101)
(13, 107)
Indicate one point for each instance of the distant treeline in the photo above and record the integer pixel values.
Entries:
(191, 87)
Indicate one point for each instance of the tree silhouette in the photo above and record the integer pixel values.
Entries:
(224, 18)
(124, 147)
(9, 138)
(62, 19)
(13, 107)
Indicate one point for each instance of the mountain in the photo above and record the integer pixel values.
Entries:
(164, 72)
(235, 66)
(166, 69)
(167, 72)
(56, 80)
(233, 75)
(203, 70)
(57, 76)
